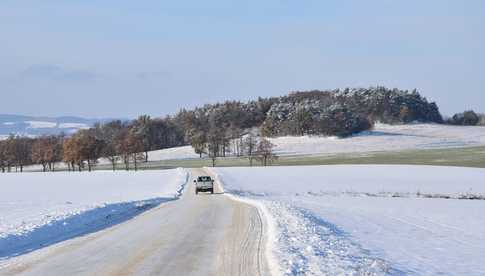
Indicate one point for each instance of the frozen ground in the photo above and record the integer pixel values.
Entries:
(40, 209)
(355, 220)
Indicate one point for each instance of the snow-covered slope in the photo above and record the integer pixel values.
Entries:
(35, 126)
(385, 138)
(185, 152)
(370, 219)
(381, 138)
(39, 209)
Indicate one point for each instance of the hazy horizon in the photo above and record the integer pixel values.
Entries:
(120, 59)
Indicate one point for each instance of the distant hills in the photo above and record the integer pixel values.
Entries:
(35, 126)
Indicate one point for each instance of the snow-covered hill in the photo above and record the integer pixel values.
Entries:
(40, 209)
(381, 138)
(185, 152)
(385, 138)
(34, 126)
(367, 220)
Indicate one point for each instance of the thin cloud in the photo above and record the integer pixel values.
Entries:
(57, 73)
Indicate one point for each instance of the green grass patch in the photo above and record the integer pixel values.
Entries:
(462, 157)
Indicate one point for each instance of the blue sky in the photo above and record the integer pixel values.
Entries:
(125, 58)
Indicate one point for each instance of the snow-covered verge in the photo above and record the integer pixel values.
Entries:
(355, 220)
(40, 209)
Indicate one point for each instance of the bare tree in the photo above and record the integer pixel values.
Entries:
(18, 152)
(9, 152)
(24, 152)
(71, 154)
(213, 152)
(265, 152)
(143, 129)
(198, 142)
(57, 142)
(110, 133)
(236, 138)
(3, 156)
(47, 151)
(88, 147)
(250, 144)
(213, 146)
(123, 148)
(41, 152)
(130, 148)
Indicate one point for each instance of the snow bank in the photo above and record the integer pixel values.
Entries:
(38, 209)
(370, 219)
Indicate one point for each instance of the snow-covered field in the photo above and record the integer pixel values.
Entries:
(39, 209)
(385, 138)
(41, 124)
(381, 138)
(186, 152)
(353, 220)
(73, 125)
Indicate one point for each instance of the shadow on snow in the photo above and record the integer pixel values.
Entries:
(77, 225)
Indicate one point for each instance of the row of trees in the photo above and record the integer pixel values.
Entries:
(15, 152)
(221, 129)
(252, 146)
(128, 142)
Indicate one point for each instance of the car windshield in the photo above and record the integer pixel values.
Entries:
(204, 178)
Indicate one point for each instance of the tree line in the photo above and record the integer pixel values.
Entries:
(116, 141)
(128, 143)
(218, 130)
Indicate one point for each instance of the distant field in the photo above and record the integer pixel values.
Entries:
(415, 144)
(461, 157)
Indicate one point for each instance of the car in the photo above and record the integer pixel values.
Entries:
(204, 184)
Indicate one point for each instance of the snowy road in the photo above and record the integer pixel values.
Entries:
(195, 235)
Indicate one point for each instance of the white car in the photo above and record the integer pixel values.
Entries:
(204, 184)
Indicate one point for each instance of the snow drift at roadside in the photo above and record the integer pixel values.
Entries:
(370, 219)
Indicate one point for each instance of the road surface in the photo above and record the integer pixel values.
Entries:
(195, 235)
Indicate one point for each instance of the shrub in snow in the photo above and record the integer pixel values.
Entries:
(481, 122)
(467, 118)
